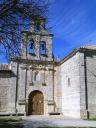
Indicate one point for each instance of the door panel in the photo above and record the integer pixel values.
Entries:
(36, 103)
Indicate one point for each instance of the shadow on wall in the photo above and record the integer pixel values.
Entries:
(7, 74)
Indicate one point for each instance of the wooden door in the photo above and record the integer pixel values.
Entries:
(36, 103)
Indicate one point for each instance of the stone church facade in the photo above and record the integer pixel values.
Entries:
(36, 84)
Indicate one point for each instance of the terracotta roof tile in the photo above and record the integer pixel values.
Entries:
(5, 67)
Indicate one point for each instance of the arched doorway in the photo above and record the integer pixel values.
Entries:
(36, 103)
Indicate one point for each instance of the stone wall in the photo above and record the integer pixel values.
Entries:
(91, 83)
(4, 91)
(78, 83)
(87, 84)
(70, 87)
(47, 37)
(8, 90)
(43, 82)
(58, 90)
(83, 111)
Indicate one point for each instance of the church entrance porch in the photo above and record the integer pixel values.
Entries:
(36, 103)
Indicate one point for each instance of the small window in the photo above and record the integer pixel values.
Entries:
(42, 47)
(31, 47)
(69, 82)
(31, 75)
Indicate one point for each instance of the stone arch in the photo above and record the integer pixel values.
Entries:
(36, 103)
(31, 47)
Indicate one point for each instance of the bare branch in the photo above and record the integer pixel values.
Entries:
(16, 15)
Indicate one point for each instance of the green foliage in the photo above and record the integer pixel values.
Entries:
(10, 122)
(10, 126)
(10, 118)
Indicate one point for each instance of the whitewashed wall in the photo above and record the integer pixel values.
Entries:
(71, 91)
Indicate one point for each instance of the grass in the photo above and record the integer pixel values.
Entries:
(10, 118)
(94, 119)
(10, 122)
(10, 126)
(91, 119)
(65, 127)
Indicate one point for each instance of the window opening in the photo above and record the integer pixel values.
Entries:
(42, 47)
(31, 75)
(68, 82)
(31, 47)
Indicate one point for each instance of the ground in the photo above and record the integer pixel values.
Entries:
(56, 121)
(45, 122)
(10, 122)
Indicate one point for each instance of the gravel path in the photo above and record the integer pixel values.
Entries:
(56, 121)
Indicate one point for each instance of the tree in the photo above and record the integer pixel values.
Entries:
(16, 15)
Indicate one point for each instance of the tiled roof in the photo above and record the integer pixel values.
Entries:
(91, 47)
(5, 67)
(87, 47)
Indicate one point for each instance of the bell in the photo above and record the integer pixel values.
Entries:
(32, 46)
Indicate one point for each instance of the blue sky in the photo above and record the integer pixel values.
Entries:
(73, 24)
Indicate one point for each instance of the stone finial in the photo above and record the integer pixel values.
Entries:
(37, 24)
(42, 24)
(32, 26)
